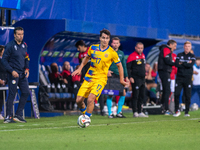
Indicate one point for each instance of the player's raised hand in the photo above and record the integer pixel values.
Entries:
(76, 72)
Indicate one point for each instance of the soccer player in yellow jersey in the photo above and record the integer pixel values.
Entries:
(102, 56)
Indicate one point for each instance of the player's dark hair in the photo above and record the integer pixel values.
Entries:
(115, 38)
(105, 31)
(80, 43)
(1, 48)
(18, 28)
(171, 42)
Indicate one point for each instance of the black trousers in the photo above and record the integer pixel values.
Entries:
(165, 79)
(186, 84)
(138, 92)
(22, 82)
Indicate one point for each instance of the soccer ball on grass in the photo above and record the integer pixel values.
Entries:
(83, 121)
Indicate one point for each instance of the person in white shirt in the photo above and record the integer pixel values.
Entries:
(196, 76)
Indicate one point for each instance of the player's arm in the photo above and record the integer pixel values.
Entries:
(84, 62)
(121, 74)
(178, 63)
(190, 63)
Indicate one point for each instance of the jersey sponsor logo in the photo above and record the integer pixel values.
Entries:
(137, 57)
(106, 55)
(15, 47)
(120, 55)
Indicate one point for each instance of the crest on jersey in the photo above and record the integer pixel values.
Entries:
(23, 45)
(13, 81)
(106, 55)
(139, 62)
(15, 47)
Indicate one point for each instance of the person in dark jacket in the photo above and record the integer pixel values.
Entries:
(3, 76)
(184, 63)
(83, 49)
(136, 73)
(165, 64)
(16, 61)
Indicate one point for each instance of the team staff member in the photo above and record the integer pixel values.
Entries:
(165, 64)
(102, 56)
(16, 61)
(184, 63)
(3, 76)
(83, 49)
(113, 74)
(172, 77)
(136, 73)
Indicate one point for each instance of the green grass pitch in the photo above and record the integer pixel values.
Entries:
(158, 132)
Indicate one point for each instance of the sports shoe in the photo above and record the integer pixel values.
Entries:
(178, 113)
(142, 115)
(1, 117)
(120, 115)
(111, 116)
(19, 119)
(135, 115)
(187, 115)
(9, 119)
(125, 107)
(167, 113)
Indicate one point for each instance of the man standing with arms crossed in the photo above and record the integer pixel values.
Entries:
(184, 63)
(136, 73)
(113, 72)
(16, 61)
(165, 64)
(102, 56)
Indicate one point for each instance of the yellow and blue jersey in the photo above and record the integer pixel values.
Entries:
(100, 62)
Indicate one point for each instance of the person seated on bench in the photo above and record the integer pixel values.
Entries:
(55, 77)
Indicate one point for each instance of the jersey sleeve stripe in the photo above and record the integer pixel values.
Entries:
(117, 62)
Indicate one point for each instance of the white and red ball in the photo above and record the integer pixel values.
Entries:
(83, 121)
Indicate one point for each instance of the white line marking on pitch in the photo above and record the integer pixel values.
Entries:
(96, 125)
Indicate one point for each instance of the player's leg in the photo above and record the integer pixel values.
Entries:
(135, 94)
(82, 94)
(178, 88)
(23, 85)
(120, 105)
(141, 98)
(12, 85)
(90, 104)
(96, 90)
(109, 104)
(187, 91)
(81, 104)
